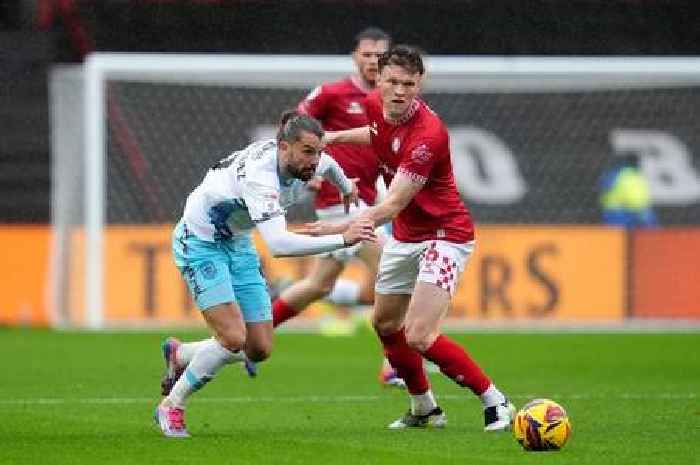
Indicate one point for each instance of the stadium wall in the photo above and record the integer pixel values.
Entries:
(552, 274)
(25, 262)
(663, 276)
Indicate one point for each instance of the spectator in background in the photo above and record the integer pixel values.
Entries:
(625, 197)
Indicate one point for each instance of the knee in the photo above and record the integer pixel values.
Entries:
(232, 339)
(383, 325)
(258, 353)
(419, 339)
(367, 294)
(319, 289)
(323, 288)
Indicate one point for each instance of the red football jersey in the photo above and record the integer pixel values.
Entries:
(418, 146)
(341, 105)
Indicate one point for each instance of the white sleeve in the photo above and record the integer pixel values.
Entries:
(331, 171)
(262, 201)
(283, 243)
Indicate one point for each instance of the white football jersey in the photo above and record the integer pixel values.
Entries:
(246, 188)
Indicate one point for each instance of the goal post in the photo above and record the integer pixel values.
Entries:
(153, 122)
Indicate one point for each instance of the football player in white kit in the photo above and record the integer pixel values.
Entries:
(213, 250)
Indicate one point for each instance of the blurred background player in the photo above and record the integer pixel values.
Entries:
(625, 197)
(214, 252)
(340, 105)
(433, 238)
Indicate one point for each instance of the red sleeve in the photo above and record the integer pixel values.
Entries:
(419, 158)
(315, 104)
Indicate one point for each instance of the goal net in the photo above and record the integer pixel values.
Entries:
(530, 138)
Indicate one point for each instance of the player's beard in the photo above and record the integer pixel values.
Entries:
(370, 77)
(303, 174)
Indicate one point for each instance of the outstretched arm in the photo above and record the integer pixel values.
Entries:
(401, 191)
(359, 135)
(403, 188)
(283, 243)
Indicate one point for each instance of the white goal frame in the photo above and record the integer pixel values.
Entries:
(475, 74)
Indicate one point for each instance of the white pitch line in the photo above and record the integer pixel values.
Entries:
(334, 399)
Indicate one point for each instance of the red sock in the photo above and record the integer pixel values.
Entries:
(456, 363)
(407, 362)
(281, 312)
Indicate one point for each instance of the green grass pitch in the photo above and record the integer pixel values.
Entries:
(87, 398)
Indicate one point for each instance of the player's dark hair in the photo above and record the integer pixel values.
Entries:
(292, 123)
(406, 56)
(371, 33)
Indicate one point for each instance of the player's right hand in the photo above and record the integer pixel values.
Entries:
(360, 230)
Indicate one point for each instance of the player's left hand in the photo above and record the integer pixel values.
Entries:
(322, 228)
(352, 197)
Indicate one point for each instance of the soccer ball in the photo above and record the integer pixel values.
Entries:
(542, 424)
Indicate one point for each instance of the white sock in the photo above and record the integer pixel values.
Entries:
(206, 362)
(422, 404)
(345, 292)
(187, 350)
(492, 396)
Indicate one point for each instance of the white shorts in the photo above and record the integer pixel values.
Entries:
(336, 214)
(434, 261)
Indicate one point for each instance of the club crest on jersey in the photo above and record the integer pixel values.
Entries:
(395, 145)
(208, 270)
(354, 108)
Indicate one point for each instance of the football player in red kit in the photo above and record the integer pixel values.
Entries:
(433, 238)
(340, 105)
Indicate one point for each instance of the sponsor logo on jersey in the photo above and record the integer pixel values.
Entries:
(415, 177)
(421, 154)
(354, 108)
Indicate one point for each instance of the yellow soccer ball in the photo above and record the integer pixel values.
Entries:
(541, 425)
